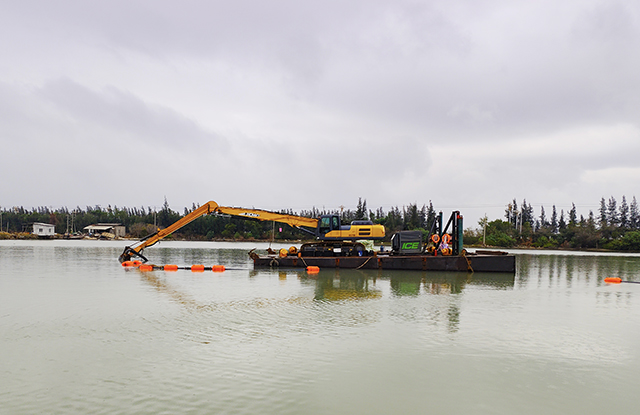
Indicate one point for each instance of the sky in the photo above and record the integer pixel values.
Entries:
(467, 104)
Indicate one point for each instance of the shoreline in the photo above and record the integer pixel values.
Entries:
(29, 236)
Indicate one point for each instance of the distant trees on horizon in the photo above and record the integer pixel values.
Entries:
(614, 226)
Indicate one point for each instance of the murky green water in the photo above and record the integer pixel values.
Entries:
(80, 334)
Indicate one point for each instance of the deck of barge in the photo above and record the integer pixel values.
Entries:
(471, 262)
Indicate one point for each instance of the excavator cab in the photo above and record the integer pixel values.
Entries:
(327, 224)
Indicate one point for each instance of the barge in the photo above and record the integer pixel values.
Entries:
(479, 261)
(339, 245)
(442, 251)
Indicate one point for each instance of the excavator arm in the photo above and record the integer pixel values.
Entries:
(207, 209)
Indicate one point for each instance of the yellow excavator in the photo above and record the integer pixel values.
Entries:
(333, 237)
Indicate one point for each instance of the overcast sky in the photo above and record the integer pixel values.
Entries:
(295, 104)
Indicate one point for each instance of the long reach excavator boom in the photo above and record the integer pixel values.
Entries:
(326, 228)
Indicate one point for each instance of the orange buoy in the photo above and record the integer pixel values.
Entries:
(171, 267)
(127, 264)
(146, 267)
(613, 280)
(218, 268)
(283, 252)
(446, 238)
(435, 238)
(312, 269)
(197, 268)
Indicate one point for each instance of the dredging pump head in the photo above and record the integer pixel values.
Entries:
(129, 253)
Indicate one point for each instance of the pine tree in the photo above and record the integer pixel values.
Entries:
(527, 213)
(634, 214)
(360, 210)
(603, 213)
(554, 220)
(624, 213)
(561, 223)
(543, 218)
(423, 217)
(411, 217)
(612, 212)
(572, 215)
(431, 215)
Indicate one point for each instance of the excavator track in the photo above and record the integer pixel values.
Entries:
(333, 249)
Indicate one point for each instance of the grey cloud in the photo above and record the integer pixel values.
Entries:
(364, 95)
(128, 116)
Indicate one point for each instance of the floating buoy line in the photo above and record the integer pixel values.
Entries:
(193, 268)
(617, 280)
(172, 267)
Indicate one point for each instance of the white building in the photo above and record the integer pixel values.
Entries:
(43, 229)
(115, 229)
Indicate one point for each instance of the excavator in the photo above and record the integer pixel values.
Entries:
(333, 238)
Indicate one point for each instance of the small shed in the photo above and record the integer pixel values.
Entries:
(43, 229)
(116, 229)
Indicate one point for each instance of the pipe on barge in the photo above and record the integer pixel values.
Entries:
(480, 261)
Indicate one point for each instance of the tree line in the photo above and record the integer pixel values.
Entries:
(614, 227)
(142, 221)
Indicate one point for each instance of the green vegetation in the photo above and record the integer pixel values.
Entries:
(143, 221)
(614, 228)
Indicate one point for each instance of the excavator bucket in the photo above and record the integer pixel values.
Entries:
(128, 253)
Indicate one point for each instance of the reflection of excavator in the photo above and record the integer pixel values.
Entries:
(333, 237)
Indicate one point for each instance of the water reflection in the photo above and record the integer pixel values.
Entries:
(568, 271)
(354, 286)
(348, 285)
(345, 284)
(161, 285)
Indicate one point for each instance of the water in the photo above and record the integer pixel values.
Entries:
(80, 334)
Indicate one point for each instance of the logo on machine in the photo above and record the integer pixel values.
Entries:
(253, 215)
(411, 245)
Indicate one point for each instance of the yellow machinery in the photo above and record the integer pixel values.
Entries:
(334, 237)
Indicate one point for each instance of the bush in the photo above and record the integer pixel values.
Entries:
(26, 235)
(500, 239)
(544, 242)
(629, 242)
